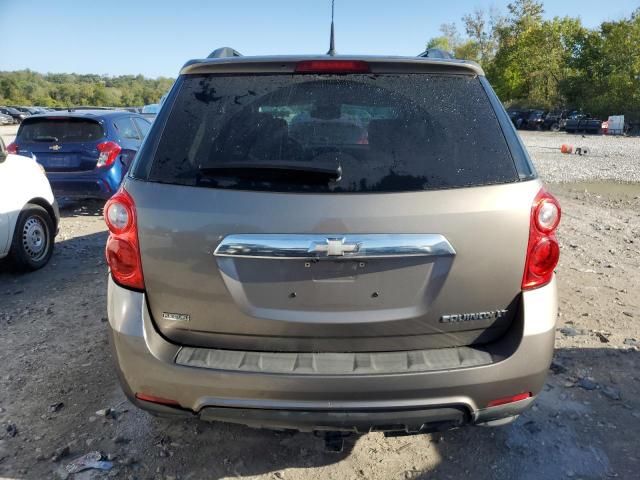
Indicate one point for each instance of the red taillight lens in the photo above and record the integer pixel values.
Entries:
(109, 151)
(543, 251)
(159, 400)
(123, 249)
(511, 399)
(544, 257)
(121, 257)
(12, 148)
(332, 66)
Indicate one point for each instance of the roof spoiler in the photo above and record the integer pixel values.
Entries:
(436, 53)
(224, 52)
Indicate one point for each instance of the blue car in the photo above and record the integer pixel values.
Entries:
(85, 153)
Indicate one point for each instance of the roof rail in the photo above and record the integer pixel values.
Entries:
(224, 52)
(436, 53)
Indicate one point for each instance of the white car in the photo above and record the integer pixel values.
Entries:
(29, 214)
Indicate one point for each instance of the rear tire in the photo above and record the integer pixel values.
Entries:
(33, 238)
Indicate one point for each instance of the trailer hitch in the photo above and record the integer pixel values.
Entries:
(333, 440)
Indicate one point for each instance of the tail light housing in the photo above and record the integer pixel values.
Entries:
(109, 151)
(543, 251)
(123, 249)
(12, 148)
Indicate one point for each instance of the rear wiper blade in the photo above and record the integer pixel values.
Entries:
(45, 139)
(283, 168)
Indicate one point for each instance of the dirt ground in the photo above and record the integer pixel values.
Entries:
(57, 376)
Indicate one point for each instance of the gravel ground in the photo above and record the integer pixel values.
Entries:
(609, 158)
(57, 377)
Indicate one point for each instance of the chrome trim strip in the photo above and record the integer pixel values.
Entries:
(312, 247)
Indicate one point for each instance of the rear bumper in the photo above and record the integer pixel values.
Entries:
(91, 184)
(413, 401)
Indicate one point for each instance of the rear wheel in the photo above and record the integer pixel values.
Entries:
(33, 238)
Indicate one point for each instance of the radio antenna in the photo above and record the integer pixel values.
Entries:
(332, 45)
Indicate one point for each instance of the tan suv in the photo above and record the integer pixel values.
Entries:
(333, 244)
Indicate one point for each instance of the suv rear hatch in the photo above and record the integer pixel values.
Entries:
(61, 143)
(331, 212)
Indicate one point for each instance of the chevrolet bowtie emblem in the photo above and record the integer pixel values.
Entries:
(334, 247)
(55, 148)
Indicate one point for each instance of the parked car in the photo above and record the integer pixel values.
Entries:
(28, 212)
(400, 281)
(535, 120)
(24, 110)
(86, 153)
(150, 111)
(6, 119)
(527, 119)
(17, 115)
(583, 123)
(555, 121)
(518, 117)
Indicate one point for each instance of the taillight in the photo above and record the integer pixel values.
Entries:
(543, 251)
(159, 400)
(12, 148)
(332, 66)
(109, 151)
(123, 248)
(505, 400)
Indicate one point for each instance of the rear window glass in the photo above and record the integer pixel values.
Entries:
(60, 130)
(379, 133)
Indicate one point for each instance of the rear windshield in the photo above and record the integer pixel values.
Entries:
(60, 130)
(377, 133)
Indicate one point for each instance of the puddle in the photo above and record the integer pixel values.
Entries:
(600, 188)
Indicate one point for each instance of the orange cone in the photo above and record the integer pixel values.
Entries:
(566, 148)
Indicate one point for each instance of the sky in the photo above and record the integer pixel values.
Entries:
(155, 38)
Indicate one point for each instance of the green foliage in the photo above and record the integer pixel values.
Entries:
(607, 68)
(534, 60)
(449, 39)
(556, 63)
(65, 90)
(440, 42)
(482, 30)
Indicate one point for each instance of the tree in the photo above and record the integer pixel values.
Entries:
(552, 63)
(482, 30)
(449, 39)
(533, 61)
(65, 90)
(608, 70)
(524, 14)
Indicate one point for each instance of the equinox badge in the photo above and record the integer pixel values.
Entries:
(468, 317)
(176, 317)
